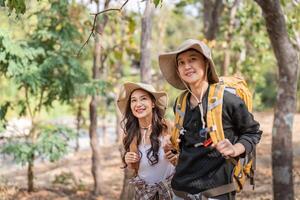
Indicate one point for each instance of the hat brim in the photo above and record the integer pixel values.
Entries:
(161, 98)
(168, 66)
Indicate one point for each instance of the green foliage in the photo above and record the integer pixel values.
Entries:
(60, 69)
(251, 54)
(65, 178)
(157, 2)
(18, 5)
(22, 151)
(17, 58)
(46, 70)
(69, 179)
(45, 66)
(185, 6)
(51, 144)
(3, 110)
(94, 87)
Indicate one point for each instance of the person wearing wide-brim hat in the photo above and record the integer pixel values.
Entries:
(146, 138)
(201, 168)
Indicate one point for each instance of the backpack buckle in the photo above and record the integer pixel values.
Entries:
(213, 100)
(203, 133)
(182, 131)
(212, 128)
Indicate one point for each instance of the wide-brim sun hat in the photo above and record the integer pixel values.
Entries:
(168, 63)
(161, 98)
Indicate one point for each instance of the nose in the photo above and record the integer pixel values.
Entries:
(139, 103)
(187, 65)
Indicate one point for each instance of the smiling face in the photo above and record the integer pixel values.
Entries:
(141, 104)
(191, 66)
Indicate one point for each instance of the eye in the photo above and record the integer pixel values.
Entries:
(180, 63)
(144, 98)
(133, 100)
(193, 58)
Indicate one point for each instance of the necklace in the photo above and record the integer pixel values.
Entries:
(144, 131)
(146, 127)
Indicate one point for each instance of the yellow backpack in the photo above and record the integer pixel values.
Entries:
(244, 168)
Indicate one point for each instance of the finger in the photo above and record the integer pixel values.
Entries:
(223, 146)
(170, 156)
(168, 153)
(173, 159)
(131, 160)
(133, 155)
(229, 152)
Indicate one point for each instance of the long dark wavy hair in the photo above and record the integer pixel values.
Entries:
(130, 126)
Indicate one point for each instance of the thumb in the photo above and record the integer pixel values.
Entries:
(214, 145)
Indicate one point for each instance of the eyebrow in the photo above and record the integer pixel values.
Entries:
(144, 95)
(191, 55)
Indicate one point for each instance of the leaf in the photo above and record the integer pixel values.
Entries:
(2, 3)
(131, 25)
(2, 57)
(4, 109)
(18, 5)
(157, 2)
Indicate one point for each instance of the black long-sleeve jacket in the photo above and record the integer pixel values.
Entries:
(202, 168)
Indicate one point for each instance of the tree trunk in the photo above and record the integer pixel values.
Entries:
(118, 128)
(30, 174)
(212, 11)
(105, 139)
(228, 38)
(96, 169)
(96, 164)
(146, 43)
(128, 190)
(79, 119)
(288, 65)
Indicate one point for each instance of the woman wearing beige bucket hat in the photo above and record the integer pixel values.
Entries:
(201, 168)
(147, 133)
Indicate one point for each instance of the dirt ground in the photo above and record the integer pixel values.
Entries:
(68, 186)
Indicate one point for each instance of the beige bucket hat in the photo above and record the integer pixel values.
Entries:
(128, 87)
(168, 63)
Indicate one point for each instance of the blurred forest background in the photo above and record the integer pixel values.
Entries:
(62, 63)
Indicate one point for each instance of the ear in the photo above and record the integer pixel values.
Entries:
(153, 105)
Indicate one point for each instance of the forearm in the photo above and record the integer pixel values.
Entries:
(238, 149)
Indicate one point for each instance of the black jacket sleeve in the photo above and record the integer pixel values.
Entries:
(246, 129)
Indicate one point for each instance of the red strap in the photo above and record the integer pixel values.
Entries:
(207, 142)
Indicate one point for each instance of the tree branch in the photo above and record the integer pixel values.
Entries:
(94, 23)
(28, 104)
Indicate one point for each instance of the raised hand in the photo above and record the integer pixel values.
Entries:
(170, 152)
(227, 149)
(131, 157)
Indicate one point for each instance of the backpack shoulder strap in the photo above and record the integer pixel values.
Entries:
(179, 117)
(214, 112)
